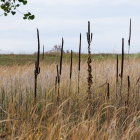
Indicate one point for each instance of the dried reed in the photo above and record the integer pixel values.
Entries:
(37, 68)
(79, 63)
(58, 83)
(129, 40)
(89, 61)
(117, 76)
(122, 68)
(71, 64)
(61, 56)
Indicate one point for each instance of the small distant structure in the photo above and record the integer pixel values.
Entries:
(67, 51)
(56, 49)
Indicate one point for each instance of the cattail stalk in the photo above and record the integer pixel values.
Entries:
(37, 68)
(129, 40)
(122, 62)
(59, 71)
(128, 80)
(70, 70)
(89, 78)
(117, 75)
(117, 69)
(128, 93)
(58, 83)
(122, 67)
(79, 63)
(89, 61)
(71, 64)
(108, 92)
(108, 97)
(61, 57)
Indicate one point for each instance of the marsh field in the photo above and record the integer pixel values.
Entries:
(63, 110)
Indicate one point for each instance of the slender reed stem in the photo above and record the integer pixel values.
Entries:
(61, 57)
(58, 82)
(71, 64)
(37, 68)
(117, 75)
(79, 63)
(70, 70)
(122, 62)
(129, 40)
(108, 92)
(128, 93)
(108, 98)
(122, 69)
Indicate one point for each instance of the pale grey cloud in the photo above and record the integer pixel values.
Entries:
(67, 18)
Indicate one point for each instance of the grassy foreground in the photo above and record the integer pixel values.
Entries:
(114, 112)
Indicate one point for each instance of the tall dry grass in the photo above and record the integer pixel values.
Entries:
(21, 119)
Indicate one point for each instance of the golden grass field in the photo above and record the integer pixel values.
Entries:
(68, 119)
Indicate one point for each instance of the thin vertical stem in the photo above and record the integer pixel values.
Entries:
(128, 93)
(71, 64)
(70, 70)
(61, 57)
(108, 92)
(117, 75)
(38, 54)
(79, 63)
(58, 81)
(117, 69)
(37, 68)
(122, 62)
(129, 40)
(122, 69)
(108, 97)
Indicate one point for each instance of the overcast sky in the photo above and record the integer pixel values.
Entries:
(68, 18)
